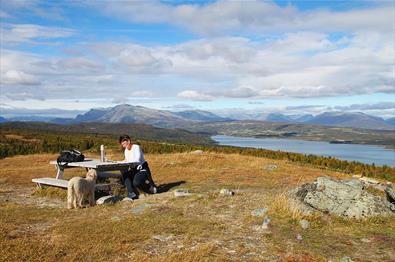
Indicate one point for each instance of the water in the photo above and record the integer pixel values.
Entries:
(368, 154)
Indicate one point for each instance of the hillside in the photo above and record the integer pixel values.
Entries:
(356, 120)
(137, 131)
(296, 131)
(34, 224)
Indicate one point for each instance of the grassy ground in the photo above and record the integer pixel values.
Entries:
(35, 225)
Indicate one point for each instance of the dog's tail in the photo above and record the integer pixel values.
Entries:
(70, 195)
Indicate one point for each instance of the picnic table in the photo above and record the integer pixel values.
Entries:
(100, 167)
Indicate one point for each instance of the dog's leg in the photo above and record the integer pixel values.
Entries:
(70, 196)
(80, 200)
(92, 197)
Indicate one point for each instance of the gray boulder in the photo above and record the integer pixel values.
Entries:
(304, 223)
(108, 200)
(346, 198)
(259, 212)
(182, 193)
(390, 194)
(226, 192)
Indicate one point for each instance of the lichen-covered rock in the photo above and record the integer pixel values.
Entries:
(108, 200)
(226, 192)
(390, 194)
(347, 198)
(181, 193)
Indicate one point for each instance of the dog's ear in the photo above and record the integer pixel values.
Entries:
(92, 173)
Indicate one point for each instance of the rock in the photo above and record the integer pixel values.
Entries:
(345, 259)
(270, 167)
(369, 180)
(265, 224)
(299, 237)
(366, 240)
(197, 152)
(347, 198)
(108, 200)
(304, 223)
(226, 192)
(259, 212)
(116, 218)
(162, 238)
(181, 193)
(390, 192)
(141, 208)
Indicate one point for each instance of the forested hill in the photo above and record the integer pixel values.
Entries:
(136, 131)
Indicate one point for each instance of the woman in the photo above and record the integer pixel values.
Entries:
(138, 175)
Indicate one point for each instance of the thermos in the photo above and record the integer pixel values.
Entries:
(102, 154)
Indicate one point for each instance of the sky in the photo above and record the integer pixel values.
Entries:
(293, 57)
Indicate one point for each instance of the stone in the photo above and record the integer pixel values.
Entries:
(369, 180)
(265, 224)
(366, 240)
(181, 193)
(226, 192)
(390, 192)
(346, 259)
(259, 212)
(108, 200)
(299, 237)
(162, 238)
(346, 198)
(304, 223)
(115, 218)
(141, 208)
(270, 167)
(197, 152)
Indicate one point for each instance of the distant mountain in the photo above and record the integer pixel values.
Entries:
(139, 114)
(390, 121)
(357, 120)
(26, 119)
(276, 117)
(63, 121)
(303, 118)
(143, 115)
(91, 115)
(200, 115)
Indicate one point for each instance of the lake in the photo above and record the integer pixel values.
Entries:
(362, 153)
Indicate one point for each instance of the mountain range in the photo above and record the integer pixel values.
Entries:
(163, 118)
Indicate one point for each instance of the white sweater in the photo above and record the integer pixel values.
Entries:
(134, 155)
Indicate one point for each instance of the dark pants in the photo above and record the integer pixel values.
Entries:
(135, 179)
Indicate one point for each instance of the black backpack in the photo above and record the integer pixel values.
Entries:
(67, 156)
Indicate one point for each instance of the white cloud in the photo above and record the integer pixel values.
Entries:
(143, 94)
(303, 64)
(13, 77)
(194, 95)
(25, 33)
(222, 17)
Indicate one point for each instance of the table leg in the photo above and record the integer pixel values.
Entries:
(60, 171)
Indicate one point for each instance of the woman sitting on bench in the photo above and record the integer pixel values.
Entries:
(138, 176)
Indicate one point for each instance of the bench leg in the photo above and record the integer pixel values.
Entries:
(60, 171)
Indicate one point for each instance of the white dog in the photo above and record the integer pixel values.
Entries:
(80, 188)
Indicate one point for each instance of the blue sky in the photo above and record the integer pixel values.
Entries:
(224, 56)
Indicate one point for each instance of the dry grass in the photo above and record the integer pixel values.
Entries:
(203, 227)
(284, 207)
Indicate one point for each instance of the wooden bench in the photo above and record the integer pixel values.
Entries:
(49, 181)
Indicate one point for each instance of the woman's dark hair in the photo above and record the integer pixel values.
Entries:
(123, 138)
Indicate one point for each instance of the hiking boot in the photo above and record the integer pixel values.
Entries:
(153, 190)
